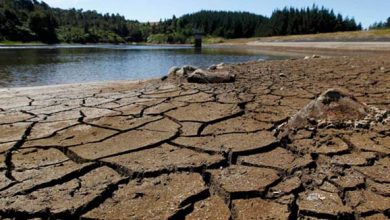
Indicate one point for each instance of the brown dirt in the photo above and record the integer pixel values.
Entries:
(171, 150)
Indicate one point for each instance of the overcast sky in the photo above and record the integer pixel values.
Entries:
(365, 11)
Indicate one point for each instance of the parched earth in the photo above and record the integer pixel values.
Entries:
(173, 150)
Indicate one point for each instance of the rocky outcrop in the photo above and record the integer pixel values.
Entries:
(191, 74)
(201, 76)
(216, 66)
(182, 72)
(333, 108)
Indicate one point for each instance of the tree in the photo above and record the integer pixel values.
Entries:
(43, 25)
(33, 20)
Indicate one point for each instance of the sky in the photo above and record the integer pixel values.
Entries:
(364, 11)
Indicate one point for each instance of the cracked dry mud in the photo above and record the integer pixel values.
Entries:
(173, 150)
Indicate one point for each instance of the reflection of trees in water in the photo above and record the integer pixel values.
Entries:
(28, 56)
(58, 65)
(5, 77)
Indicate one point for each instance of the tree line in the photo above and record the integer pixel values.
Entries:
(287, 21)
(32, 20)
(381, 25)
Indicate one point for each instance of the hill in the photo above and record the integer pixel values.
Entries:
(32, 20)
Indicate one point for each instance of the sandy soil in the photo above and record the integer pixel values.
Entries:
(175, 150)
(374, 46)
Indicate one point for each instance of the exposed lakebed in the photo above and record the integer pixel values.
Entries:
(22, 66)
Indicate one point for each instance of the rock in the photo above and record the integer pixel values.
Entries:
(173, 70)
(212, 67)
(282, 75)
(181, 72)
(187, 70)
(216, 66)
(201, 76)
(220, 66)
(314, 56)
(331, 107)
(164, 78)
(190, 68)
(197, 75)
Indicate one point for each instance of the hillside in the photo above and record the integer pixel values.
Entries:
(31, 20)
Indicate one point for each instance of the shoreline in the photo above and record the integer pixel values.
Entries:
(291, 50)
(72, 85)
(120, 145)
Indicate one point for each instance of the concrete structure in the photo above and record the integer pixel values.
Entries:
(198, 35)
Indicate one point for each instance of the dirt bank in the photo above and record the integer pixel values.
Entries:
(310, 48)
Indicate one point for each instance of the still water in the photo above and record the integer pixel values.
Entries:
(49, 65)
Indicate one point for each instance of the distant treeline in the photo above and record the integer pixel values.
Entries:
(32, 20)
(282, 22)
(381, 25)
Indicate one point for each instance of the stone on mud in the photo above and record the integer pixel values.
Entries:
(332, 107)
(173, 70)
(182, 72)
(201, 76)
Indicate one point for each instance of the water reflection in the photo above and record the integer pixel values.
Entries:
(47, 65)
(197, 50)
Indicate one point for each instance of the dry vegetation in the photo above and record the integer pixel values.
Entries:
(371, 35)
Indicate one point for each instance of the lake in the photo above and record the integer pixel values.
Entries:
(22, 66)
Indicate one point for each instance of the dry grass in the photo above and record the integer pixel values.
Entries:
(372, 35)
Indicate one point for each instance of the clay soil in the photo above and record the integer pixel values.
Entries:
(170, 150)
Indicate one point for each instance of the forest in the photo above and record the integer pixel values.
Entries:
(381, 24)
(32, 20)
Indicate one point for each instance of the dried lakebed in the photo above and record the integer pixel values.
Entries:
(174, 150)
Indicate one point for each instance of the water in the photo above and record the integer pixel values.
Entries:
(49, 65)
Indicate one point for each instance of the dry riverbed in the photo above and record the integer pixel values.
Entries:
(172, 150)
